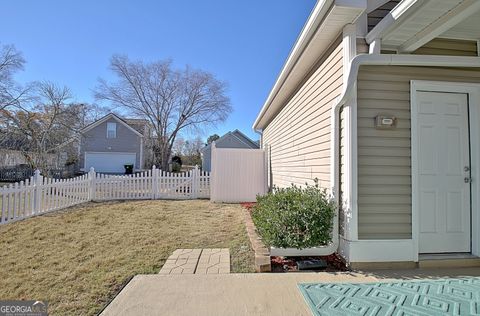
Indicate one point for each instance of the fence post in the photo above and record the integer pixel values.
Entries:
(37, 187)
(195, 182)
(154, 182)
(91, 190)
(213, 162)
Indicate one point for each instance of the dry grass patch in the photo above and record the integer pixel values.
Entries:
(79, 258)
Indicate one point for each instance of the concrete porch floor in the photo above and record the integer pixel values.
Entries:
(245, 294)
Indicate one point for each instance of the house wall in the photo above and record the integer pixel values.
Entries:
(299, 135)
(384, 156)
(95, 140)
(448, 47)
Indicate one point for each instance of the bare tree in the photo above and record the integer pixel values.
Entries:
(38, 129)
(171, 100)
(189, 150)
(179, 146)
(11, 61)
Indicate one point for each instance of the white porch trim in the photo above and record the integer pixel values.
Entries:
(389, 250)
(473, 91)
(352, 248)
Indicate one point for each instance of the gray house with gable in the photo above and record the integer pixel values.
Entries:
(111, 142)
(233, 139)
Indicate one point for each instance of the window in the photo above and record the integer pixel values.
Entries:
(111, 130)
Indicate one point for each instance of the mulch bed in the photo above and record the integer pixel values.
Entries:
(248, 205)
(289, 264)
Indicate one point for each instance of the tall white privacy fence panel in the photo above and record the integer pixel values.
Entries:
(238, 175)
(39, 194)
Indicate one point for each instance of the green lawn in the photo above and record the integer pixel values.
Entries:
(78, 259)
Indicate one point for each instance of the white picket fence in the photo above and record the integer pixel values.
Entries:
(39, 194)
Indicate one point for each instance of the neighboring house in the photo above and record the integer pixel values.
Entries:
(111, 142)
(380, 100)
(233, 139)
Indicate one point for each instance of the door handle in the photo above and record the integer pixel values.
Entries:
(467, 180)
(466, 168)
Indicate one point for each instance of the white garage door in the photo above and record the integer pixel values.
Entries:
(109, 162)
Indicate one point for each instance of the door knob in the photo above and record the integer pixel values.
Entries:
(467, 180)
(466, 168)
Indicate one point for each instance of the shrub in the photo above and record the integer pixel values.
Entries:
(295, 217)
(176, 167)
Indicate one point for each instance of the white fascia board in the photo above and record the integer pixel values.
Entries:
(318, 18)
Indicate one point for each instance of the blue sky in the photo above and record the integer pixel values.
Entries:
(242, 42)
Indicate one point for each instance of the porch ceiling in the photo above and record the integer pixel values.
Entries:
(415, 22)
(467, 29)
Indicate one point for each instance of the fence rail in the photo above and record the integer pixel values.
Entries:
(38, 194)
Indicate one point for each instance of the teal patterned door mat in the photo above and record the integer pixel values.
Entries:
(426, 297)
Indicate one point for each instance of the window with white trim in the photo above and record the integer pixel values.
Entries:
(111, 130)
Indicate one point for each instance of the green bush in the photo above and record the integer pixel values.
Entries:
(176, 167)
(295, 217)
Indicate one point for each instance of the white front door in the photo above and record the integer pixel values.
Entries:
(443, 172)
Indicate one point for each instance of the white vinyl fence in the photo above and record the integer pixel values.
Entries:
(39, 194)
(238, 175)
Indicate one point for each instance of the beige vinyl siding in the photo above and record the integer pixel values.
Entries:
(299, 135)
(384, 166)
(448, 47)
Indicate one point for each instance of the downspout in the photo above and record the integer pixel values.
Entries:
(347, 94)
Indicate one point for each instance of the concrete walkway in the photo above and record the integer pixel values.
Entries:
(198, 261)
(243, 294)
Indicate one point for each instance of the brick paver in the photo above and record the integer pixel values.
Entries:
(182, 261)
(214, 261)
(198, 261)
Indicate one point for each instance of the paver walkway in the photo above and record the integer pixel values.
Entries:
(198, 261)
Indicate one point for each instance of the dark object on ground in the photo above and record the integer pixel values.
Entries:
(176, 164)
(128, 168)
(314, 264)
(289, 264)
(177, 159)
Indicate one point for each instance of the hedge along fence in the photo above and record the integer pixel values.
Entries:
(39, 195)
